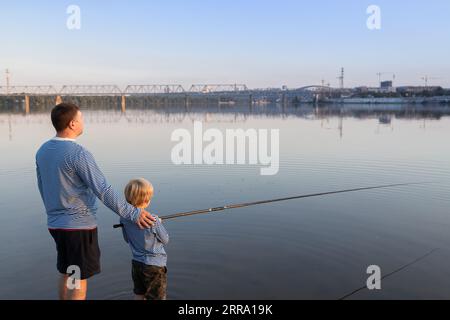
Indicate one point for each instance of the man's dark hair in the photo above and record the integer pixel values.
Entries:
(62, 114)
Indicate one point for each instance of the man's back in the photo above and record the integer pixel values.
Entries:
(69, 202)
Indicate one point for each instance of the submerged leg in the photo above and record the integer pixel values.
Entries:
(65, 293)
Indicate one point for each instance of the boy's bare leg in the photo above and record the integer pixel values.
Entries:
(71, 294)
(139, 297)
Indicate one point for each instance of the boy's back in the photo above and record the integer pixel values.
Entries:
(147, 245)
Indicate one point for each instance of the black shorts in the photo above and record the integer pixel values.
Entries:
(149, 281)
(78, 248)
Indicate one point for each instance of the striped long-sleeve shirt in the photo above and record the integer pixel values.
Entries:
(69, 182)
(147, 246)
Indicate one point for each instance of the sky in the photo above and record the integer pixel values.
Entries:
(259, 43)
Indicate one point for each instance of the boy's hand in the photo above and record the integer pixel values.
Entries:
(157, 217)
(146, 220)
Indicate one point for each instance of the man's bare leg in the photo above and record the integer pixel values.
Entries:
(71, 294)
(62, 287)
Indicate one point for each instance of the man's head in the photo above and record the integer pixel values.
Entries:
(68, 120)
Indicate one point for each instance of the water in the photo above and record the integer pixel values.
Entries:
(317, 248)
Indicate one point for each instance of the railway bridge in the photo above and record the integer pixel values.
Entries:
(157, 95)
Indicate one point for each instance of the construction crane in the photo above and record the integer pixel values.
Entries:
(426, 78)
(380, 74)
(341, 79)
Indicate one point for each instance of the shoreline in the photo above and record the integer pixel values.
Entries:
(413, 100)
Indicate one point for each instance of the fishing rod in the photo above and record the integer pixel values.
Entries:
(248, 204)
(392, 273)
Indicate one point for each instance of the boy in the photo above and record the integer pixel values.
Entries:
(149, 271)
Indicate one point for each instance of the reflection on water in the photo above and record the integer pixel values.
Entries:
(235, 114)
(311, 248)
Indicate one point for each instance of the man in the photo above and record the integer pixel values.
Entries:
(69, 181)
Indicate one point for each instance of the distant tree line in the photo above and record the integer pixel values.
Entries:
(437, 92)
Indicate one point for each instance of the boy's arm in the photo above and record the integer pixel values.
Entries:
(124, 234)
(160, 231)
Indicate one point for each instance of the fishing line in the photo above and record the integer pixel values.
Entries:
(392, 273)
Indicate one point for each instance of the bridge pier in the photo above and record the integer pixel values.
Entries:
(124, 104)
(27, 104)
(283, 100)
(58, 100)
(316, 99)
(187, 101)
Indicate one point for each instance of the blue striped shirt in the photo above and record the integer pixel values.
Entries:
(147, 246)
(69, 182)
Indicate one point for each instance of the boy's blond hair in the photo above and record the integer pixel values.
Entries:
(139, 192)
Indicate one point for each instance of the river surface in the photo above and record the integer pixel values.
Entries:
(315, 248)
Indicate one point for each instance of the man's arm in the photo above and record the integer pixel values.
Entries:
(39, 181)
(88, 171)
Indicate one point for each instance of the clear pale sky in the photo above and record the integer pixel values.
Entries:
(257, 42)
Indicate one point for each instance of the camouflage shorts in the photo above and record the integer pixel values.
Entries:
(149, 281)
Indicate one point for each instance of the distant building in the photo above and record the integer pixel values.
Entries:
(386, 84)
(362, 89)
(385, 88)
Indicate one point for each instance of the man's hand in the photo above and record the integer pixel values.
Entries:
(146, 220)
